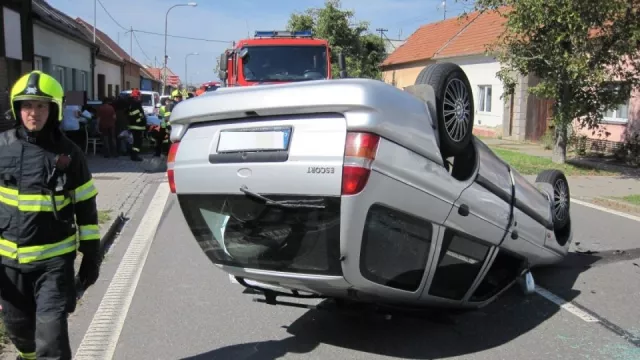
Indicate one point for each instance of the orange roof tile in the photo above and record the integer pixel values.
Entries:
(485, 30)
(425, 42)
(157, 72)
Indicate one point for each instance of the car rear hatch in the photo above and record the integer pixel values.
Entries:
(264, 193)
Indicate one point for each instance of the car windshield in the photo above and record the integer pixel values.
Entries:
(284, 63)
(147, 100)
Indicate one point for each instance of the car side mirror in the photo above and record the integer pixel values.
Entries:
(223, 62)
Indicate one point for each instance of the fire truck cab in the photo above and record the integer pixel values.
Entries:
(277, 57)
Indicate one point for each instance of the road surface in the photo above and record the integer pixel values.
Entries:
(185, 308)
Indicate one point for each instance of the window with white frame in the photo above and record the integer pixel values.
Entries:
(38, 64)
(484, 101)
(59, 74)
(619, 113)
(83, 81)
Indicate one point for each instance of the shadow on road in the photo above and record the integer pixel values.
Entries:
(433, 334)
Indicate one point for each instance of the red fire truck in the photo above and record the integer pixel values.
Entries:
(277, 57)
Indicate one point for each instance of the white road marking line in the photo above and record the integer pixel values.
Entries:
(565, 305)
(602, 208)
(101, 338)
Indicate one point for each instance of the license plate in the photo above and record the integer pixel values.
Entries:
(266, 140)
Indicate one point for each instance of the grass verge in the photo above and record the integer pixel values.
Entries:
(532, 165)
(104, 216)
(4, 340)
(631, 199)
(617, 204)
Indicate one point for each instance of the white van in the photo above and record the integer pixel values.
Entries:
(150, 101)
(150, 104)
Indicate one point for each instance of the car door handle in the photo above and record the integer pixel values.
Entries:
(463, 210)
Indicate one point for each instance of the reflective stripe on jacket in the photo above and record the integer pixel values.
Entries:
(38, 223)
(136, 116)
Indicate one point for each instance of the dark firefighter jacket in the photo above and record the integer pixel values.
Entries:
(32, 229)
(166, 120)
(137, 118)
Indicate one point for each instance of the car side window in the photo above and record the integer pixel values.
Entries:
(395, 248)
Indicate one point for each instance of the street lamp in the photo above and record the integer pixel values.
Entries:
(166, 23)
(185, 66)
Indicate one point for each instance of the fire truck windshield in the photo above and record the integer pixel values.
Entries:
(284, 63)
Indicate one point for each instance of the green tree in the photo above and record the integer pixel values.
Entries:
(585, 53)
(363, 51)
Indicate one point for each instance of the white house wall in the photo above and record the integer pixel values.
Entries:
(112, 74)
(481, 71)
(67, 60)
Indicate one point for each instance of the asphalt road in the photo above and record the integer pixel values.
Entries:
(185, 308)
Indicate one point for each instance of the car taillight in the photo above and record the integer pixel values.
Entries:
(171, 159)
(359, 152)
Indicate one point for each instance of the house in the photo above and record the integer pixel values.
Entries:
(16, 45)
(61, 49)
(173, 80)
(390, 45)
(131, 75)
(109, 70)
(464, 41)
(148, 81)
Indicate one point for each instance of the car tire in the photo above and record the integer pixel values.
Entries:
(561, 198)
(451, 86)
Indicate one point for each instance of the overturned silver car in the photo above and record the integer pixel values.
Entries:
(353, 189)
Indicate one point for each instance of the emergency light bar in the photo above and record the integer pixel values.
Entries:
(275, 33)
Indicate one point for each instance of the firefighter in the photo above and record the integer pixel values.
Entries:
(162, 135)
(47, 212)
(137, 123)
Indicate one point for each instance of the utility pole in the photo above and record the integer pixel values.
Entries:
(95, 20)
(381, 31)
(131, 44)
(444, 7)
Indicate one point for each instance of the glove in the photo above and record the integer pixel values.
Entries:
(89, 270)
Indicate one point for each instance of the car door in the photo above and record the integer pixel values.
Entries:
(483, 209)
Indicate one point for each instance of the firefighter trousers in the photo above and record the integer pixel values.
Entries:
(35, 306)
(137, 140)
(162, 144)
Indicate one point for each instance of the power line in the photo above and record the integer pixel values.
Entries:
(183, 37)
(154, 33)
(381, 31)
(108, 14)
(140, 46)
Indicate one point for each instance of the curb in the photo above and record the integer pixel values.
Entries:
(634, 208)
(605, 202)
(112, 230)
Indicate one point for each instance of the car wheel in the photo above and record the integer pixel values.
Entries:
(454, 105)
(561, 196)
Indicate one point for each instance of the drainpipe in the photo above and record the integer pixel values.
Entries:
(94, 53)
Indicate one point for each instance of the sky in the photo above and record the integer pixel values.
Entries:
(223, 22)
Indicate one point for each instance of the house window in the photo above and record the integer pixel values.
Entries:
(38, 64)
(109, 90)
(12, 34)
(117, 90)
(59, 74)
(620, 113)
(83, 81)
(485, 98)
(617, 114)
(74, 79)
(128, 85)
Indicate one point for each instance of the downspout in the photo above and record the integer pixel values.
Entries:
(94, 53)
